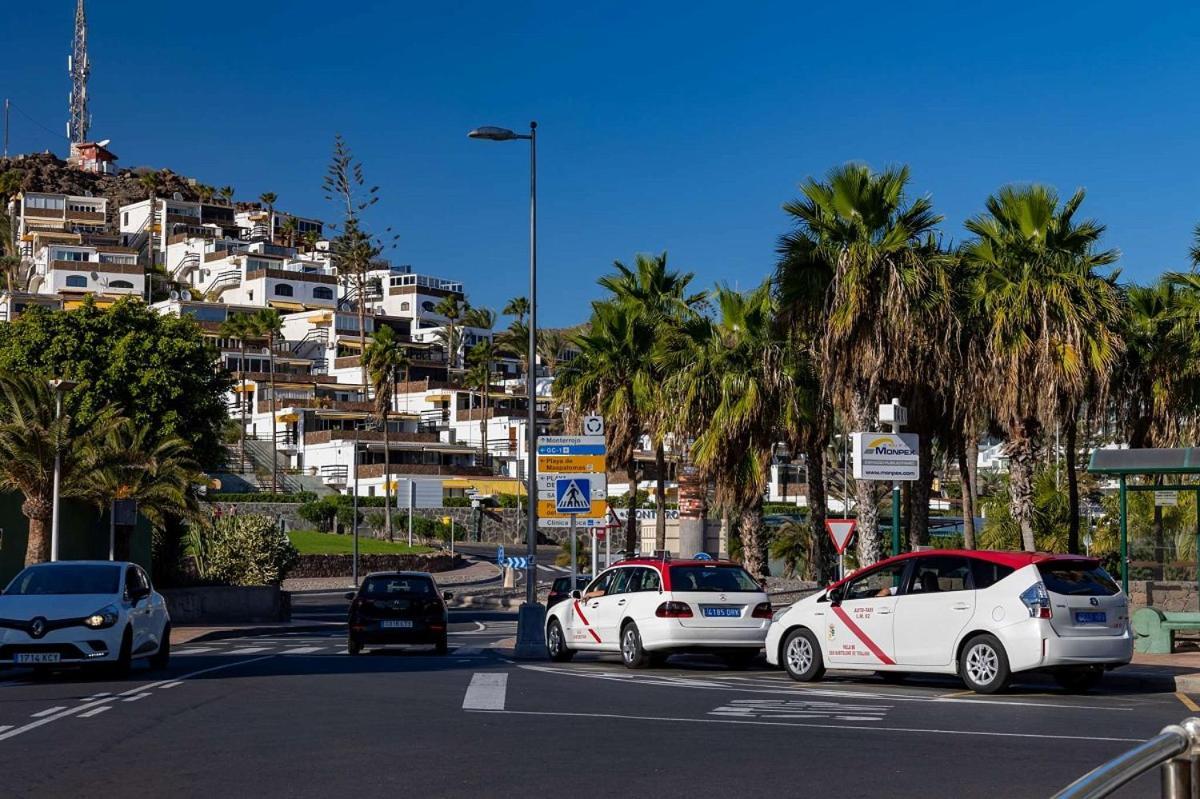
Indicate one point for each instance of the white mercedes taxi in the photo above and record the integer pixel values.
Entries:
(979, 614)
(83, 612)
(648, 609)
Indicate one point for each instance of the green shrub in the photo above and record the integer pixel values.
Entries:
(456, 502)
(244, 550)
(320, 514)
(262, 496)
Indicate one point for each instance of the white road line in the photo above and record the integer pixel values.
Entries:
(302, 650)
(4, 727)
(195, 650)
(165, 686)
(248, 650)
(927, 730)
(95, 712)
(136, 697)
(94, 697)
(47, 711)
(486, 692)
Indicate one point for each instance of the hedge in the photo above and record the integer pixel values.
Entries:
(262, 496)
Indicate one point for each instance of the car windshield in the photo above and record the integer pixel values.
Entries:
(47, 580)
(713, 578)
(398, 586)
(1077, 578)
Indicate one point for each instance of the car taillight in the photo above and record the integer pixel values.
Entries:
(674, 610)
(1037, 601)
(762, 611)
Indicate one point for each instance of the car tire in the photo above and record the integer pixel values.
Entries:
(983, 665)
(354, 646)
(739, 659)
(801, 656)
(124, 662)
(1080, 679)
(556, 643)
(442, 646)
(632, 653)
(162, 658)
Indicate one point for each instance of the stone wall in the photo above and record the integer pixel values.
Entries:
(1172, 596)
(342, 565)
(225, 604)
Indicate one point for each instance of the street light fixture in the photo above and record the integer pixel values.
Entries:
(59, 387)
(531, 618)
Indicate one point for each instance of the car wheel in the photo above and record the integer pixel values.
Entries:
(802, 656)
(124, 662)
(1078, 680)
(442, 646)
(162, 658)
(631, 648)
(354, 646)
(983, 665)
(556, 643)
(739, 659)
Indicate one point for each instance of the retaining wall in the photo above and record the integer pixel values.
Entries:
(1166, 595)
(227, 604)
(343, 565)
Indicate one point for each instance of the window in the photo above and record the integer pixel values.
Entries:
(987, 574)
(404, 306)
(716, 578)
(44, 580)
(322, 293)
(398, 586)
(256, 264)
(647, 581)
(120, 284)
(599, 586)
(1077, 578)
(428, 306)
(284, 290)
(621, 583)
(884, 581)
(135, 581)
(939, 574)
(76, 282)
(70, 255)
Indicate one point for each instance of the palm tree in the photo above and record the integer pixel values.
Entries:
(310, 239)
(204, 192)
(267, 324)
(383, 359)
(288, 230)
(873, 267)
(241, 327)
(226, 193)
(551, 344)
(1050, 319)
(515, 342)
(268, 199)
(453, 309)
(31, 434)
(518, 307)
(480, 358)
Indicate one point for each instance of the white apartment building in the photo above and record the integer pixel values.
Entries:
(68, 215)
(174, 217)
(71, 270)
(271, 226)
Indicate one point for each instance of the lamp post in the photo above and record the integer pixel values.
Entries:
(59, 387)
(532, 616)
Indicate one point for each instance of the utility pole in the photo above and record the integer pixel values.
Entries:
(7, 103)
(78, 66)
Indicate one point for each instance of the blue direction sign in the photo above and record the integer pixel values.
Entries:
(516, 563)
(573, 495)
(500, 555)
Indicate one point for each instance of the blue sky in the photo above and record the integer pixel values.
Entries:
(664, 126)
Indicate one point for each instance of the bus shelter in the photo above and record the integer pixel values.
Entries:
(1172, 466)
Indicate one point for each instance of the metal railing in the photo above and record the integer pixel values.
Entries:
(1175, 751)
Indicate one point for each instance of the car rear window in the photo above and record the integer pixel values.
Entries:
(986, 574)
(715, 578)
(398, 586)
(1077, 578)
(50, 580)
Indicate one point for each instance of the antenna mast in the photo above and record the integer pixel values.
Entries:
(77, 127)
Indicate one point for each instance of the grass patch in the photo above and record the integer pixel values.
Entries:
(311, 542)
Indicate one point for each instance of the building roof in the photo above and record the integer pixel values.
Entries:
(1150, 460)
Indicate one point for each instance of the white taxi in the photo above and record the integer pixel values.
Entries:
(83, 612)
(979, 614)
(647, 609)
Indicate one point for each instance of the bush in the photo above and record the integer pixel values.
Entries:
(262, 496)
(244, 550)
(320, 514)
(456, 502)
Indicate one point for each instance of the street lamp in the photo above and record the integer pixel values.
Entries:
(59, 387)
(531, 618)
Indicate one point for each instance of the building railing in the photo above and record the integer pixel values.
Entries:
(368, 470)
(326, 436)
(336, 474)
(1175, 751)
(317, 403)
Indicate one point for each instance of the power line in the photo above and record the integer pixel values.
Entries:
(49, 130)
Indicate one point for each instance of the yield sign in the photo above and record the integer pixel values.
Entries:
(841, 531)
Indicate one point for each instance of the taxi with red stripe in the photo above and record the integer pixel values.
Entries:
(647, 609)
(983, 615)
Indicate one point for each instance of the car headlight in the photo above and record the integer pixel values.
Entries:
(105, 617)
(779, 613)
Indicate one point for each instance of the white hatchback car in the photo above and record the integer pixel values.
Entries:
(983, 615)
(648, 609)
(83, 612)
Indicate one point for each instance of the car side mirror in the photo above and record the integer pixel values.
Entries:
(576, 594)
(137, 595)
(447, 595)
(350, 595)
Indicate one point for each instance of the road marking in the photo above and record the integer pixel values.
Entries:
(302, 650)
(1187, 701)
(249, 650)
(486, 692)
(4, 727)
(136, 697)
(95, 712)
(758, 723)
(174, 684)
(955, 694)
(94, 697)
(800, 709)
(47, 711)
(194, 650)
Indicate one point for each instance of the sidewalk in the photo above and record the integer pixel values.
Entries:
(1183, 668)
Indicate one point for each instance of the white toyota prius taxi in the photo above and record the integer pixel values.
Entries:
(979, 614)
(83, 612)
(648, 609)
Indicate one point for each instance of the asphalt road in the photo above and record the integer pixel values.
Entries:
(293, 715)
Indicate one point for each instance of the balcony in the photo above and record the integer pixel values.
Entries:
(292, 274)
(326, 436)
(316, 403)
(44, 213)
(369, 470)
(349, 362)
(85, 216)
(336, 475)
(97, 266)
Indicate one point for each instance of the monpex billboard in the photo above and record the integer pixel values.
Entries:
(886, 456)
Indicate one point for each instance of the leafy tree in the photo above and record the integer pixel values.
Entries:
(157, 368)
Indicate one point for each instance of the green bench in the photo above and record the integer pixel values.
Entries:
(1154, 630)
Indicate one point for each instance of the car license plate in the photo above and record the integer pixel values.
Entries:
(393, 624)
(720, 612)
(1091, 617)
(36, 657)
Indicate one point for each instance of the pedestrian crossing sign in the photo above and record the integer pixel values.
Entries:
(573, 495)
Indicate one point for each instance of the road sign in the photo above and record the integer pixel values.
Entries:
(515, 563)
(886, 456)
(572, 495)
(1166, 499)
(547, 483)
(500, 555)
(593, 425)
(841, 531)
(581, 459)
(571, 454)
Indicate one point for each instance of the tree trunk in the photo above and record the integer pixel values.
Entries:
(823, 569)
(631, 523)
(922, 489)
(274, 421)
(968, 495)
(1022, 455)
(483, 421)
(754, 542)
(1070, 437)
(242, 402)
(38, 510)
(660, 487)
(870, 542)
